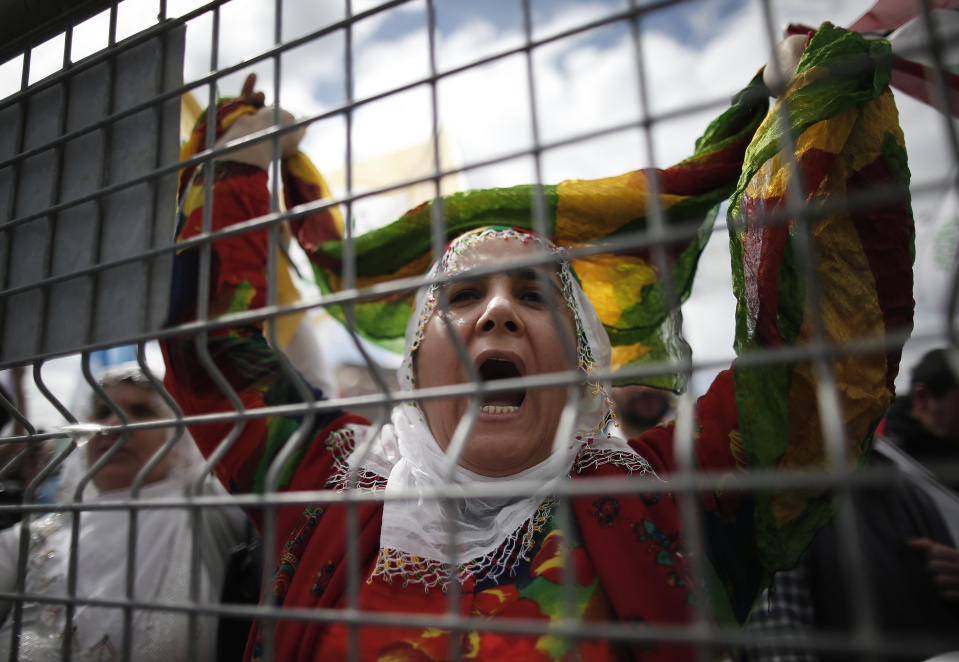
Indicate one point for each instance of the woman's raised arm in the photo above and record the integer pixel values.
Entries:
(237, 283)
(821, 239)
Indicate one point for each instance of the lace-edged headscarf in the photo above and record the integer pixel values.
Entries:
(491, 533)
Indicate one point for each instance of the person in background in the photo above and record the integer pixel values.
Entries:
(908, 532)
(641, 407)
(163, 546)
(925, 423)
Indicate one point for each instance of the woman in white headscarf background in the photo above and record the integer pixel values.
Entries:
(164, 543)
(480, 315)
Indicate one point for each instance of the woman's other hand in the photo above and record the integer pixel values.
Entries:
(261, 152)
(782, 65)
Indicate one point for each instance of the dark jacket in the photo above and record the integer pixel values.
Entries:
(900, 592)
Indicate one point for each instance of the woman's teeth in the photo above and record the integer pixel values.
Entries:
(499, 409)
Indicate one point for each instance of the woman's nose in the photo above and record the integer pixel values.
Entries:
(500, 314)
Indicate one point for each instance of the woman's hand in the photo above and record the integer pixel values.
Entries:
(782, 66)
(942, 565)
(261, 152)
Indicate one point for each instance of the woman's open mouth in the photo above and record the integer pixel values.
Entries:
(504, 402)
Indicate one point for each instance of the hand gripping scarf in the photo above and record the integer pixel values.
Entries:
(901, 23)
(302, 182)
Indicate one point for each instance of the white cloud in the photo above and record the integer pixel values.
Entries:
(383, 66)
(550, 20)
(476, 40)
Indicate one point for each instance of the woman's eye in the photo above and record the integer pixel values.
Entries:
(467, 294)
(533, 295)
(142, 412)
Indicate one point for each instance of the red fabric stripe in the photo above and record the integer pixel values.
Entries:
(887, 15)
(764, 245)
(691, 178)
(884, 228)
(313, 230)
(919, 81)
(814, 165)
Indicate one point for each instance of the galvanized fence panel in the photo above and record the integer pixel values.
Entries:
(88, 166)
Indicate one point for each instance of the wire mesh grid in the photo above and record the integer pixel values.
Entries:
(526, 94)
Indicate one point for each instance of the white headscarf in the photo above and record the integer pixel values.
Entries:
(491, 533)
(186, 467)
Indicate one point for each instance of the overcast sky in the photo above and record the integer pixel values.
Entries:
(695, 55)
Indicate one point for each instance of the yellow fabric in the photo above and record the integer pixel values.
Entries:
(625, 354)
(286, 295)
(612, 281)
(192, 200)
(190, 111)
(592, 209)
(771, 179)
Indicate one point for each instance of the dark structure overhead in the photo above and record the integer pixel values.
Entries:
(26, 23)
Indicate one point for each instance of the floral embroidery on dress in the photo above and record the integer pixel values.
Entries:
(293, 551)
(536, 591)
(323, 578)
(666, 548)
(605, 510)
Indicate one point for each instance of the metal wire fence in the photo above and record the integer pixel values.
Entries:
(403, 101)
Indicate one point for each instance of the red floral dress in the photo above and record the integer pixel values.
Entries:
(533, 592)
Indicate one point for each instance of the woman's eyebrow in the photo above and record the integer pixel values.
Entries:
(530, 274)
(526, 273)
(519, 273)
(468, 282)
